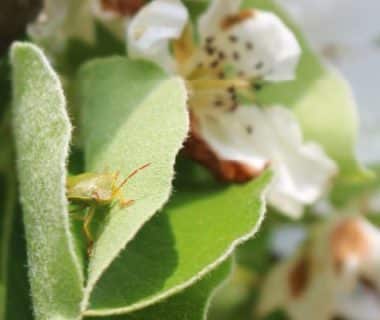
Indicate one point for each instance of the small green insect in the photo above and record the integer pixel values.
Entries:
(92, 190)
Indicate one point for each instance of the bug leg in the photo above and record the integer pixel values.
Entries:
(86, 228)
(126, 203)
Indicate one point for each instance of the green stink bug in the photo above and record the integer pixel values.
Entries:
(91, 190)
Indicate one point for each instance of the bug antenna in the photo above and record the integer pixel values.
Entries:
(132, 174)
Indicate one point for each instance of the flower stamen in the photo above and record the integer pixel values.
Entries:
(209, 84)
(184, 47)
(234, 19)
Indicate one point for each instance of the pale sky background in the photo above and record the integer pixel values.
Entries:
(347, 33)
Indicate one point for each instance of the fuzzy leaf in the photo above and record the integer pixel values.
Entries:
(199, 229)
(42, 133)
(133, 114)
(322, 101)
(190, 304)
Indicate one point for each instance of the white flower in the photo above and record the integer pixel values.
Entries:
(336, 275)
(271, 136)
(256, 42)
(253, 41)
(61, 20)
(152, 29)
(236, 49)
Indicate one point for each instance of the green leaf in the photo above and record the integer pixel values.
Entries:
(17, 278)
(190, 304)
(7, 208)
(200, 228)
(78, 50)
(322, 101)
(42, 133)
(133, 114)
(5, 87)
(345, 194)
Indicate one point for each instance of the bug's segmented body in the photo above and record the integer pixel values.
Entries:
(91, 190)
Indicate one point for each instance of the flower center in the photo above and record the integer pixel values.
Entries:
(211, 79)
(219, 93)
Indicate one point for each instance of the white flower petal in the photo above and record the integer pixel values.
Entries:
(323, 290)
(274, 293)
(362, 304)
(352, 47)
(151, 30)
(51, 17)
(356, 244)
(258, 137)
(209, 22)
(257, 43)
(61, 20)
(297, 287)
(373, 202)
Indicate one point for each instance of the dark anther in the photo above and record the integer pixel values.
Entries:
(234, 97)
(233, 107)
(259, 65)
(233, 38)
(210, 51)
(249, 129)
(218, 103)
(249, 45)
(231, 90)
(214, 64)
(210, 39)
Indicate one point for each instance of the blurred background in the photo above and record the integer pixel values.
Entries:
(347, 34)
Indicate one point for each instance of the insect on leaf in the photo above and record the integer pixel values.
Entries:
(133, 114)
